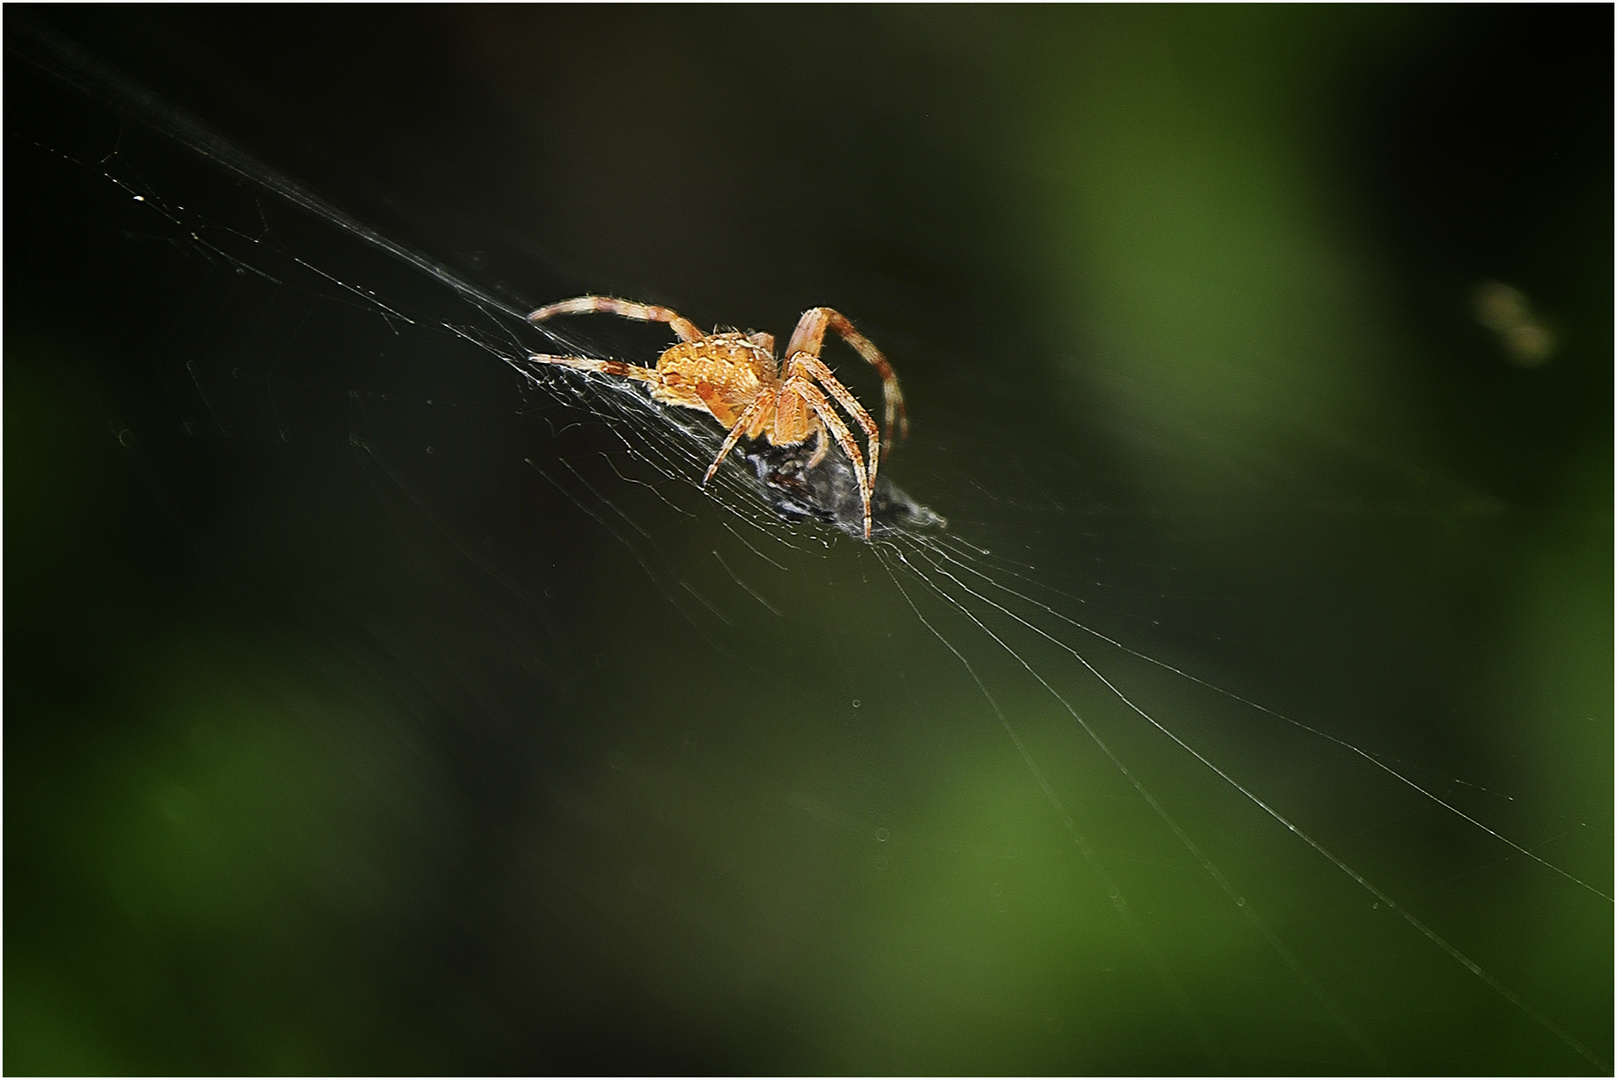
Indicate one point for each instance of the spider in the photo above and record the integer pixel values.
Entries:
(735, 378)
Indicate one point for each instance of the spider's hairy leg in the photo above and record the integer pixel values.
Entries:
(822, 446)
(809, 335)
(628, 309)
(605, 367)
(812, 367)
(803, 388)
(751, 418)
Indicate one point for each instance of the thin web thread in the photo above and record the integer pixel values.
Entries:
(1408, 916)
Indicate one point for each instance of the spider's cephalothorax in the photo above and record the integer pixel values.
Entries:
(736, 379)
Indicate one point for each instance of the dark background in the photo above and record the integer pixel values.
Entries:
(359, 714)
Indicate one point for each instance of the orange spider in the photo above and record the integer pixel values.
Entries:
(735, 378)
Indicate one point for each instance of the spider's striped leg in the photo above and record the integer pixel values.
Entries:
(803, 388)
(813, 367)
(753, 415)
(810, 333)
(605, 367)
(585, 305)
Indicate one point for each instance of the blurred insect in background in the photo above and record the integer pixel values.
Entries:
(736, 378)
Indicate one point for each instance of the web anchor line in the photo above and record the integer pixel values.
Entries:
(1191, 1017)
(1409, 917)
(1267, 711)
(1335, 1011)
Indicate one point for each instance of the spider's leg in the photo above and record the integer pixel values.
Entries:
(810, 333)
(822, 445)
(800, 385)
(813, 367)
(752, 415)
(585, 305)
(605, 367)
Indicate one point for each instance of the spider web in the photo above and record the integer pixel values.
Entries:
(545, 737)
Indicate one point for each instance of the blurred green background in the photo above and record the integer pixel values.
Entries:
(349, 728)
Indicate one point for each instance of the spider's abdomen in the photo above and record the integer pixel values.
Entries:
(724, 373)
